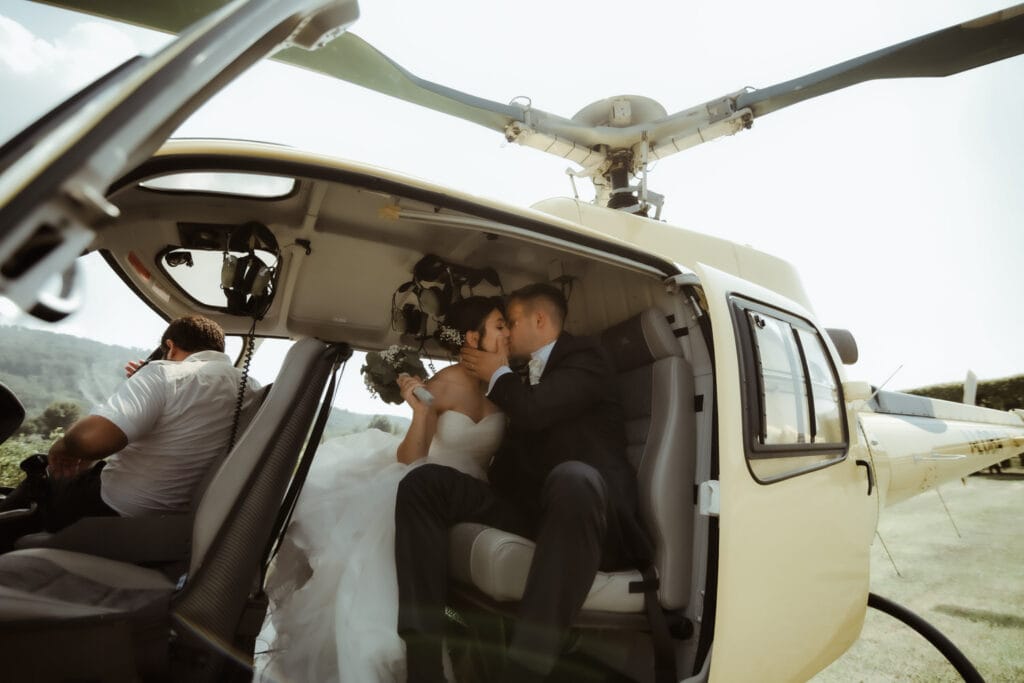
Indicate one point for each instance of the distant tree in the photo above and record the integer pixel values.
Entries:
(382, 423)
(1001, 394)
(58, 415)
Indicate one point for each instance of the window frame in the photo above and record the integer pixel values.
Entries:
(752, 389)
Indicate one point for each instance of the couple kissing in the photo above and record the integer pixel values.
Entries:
(359, 589)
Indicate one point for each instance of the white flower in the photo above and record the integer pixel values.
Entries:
(391, 355)
(446, 333)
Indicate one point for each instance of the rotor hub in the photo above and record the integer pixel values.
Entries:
(620, 111)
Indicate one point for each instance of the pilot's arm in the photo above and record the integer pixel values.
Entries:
(127, 415)
(90, 439)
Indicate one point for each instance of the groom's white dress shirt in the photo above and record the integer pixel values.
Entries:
(538, 359)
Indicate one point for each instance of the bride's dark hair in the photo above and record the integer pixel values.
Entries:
(466, 315)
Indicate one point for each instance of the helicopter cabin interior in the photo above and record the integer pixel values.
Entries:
(338, 254)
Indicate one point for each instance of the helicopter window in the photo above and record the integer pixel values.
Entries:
(793, 405)
(784, 405)
(260, 186)
(824, 390)
(200, 273)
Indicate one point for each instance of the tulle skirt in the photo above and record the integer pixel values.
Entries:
(334, 595)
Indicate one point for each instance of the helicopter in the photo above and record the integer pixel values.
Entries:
(788, 462)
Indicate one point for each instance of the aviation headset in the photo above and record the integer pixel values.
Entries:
(248, 281)
(435, 285)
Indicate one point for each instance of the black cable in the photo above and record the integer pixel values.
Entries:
(941, 643)
(250, 348)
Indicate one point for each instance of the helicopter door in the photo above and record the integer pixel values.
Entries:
(54, 174)
(796, 517)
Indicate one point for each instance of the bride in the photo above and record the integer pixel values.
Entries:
(333, 593)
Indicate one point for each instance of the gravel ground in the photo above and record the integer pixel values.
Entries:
(963, 572)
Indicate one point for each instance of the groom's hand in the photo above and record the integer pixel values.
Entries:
(482, 364)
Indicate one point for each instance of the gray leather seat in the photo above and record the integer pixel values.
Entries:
(656, 387)
(66, 614)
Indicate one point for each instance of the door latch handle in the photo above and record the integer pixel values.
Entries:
(871, 474)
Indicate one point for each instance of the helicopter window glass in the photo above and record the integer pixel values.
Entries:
(267, 357)
(824, 388)
(239, 184)
(786, 418)
(199, 272)
(793, 411)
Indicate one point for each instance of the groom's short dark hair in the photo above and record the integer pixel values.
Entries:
(551, 295)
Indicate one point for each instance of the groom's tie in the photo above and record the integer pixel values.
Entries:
(536, 367)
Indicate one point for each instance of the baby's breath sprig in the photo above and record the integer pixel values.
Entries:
(450, 335)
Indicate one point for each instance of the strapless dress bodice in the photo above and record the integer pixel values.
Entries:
(466, 445)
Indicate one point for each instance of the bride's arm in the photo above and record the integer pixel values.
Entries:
(424, 421)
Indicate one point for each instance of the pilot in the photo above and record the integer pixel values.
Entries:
(143, 451)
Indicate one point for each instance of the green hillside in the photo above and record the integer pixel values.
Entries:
(43, 367)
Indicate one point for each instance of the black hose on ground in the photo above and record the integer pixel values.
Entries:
(941, 643)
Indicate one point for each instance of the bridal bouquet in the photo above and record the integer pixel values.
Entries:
(383, 368)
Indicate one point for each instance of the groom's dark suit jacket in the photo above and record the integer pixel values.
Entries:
(574, 413)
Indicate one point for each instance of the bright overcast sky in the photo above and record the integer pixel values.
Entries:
(899, 202)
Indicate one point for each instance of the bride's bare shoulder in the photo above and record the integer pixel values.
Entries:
(454, 388)
(453, 375)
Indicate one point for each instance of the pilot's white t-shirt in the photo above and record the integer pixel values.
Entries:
(177, 417)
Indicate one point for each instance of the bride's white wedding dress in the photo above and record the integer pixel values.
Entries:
(339, 623)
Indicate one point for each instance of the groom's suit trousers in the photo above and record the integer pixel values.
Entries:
(573, 541)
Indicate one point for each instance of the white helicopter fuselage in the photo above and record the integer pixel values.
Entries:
(795, 529)
(792, 461)
(827, 519)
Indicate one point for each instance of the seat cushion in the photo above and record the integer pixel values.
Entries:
(497, 562)
(49, 583)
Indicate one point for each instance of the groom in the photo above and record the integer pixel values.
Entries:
(560, 477)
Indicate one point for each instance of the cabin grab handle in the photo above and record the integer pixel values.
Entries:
(871, 474)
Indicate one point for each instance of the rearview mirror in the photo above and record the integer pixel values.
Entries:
(845, 344)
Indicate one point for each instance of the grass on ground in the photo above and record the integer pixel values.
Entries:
(970, 586)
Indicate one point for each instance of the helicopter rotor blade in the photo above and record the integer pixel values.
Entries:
(949, 51)
(946, 52)
(347, 57)
(352, 59)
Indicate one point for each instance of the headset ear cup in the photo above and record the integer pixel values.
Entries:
(415, 322)
(252, 269)
(235, 291)
(248, 282)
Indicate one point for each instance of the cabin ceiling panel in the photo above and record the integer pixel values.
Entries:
(348, 282)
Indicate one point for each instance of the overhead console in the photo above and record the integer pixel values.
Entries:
(342, 253)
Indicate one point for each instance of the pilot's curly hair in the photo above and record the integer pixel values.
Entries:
(195, 333)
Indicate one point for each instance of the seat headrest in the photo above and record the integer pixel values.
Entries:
(12, 413)
(640, 340)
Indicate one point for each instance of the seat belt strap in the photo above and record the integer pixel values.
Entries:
(661, 638)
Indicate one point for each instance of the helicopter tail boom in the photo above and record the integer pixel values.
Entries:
(920, 443)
